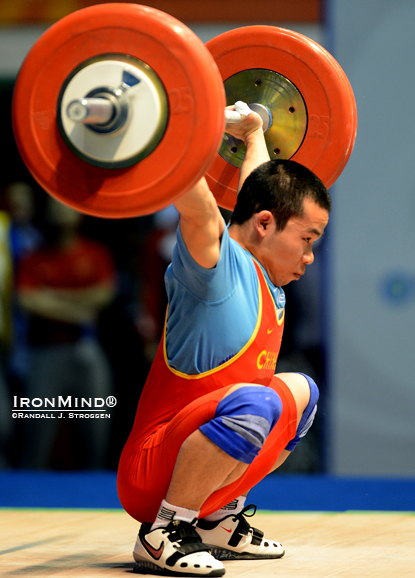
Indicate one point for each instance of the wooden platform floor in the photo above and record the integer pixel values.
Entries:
(99, 543)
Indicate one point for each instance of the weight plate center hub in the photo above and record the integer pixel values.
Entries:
(112, 111)
(283, 101)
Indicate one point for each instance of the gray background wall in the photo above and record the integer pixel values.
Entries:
(372, 251)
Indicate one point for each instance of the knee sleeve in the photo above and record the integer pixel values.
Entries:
(243, 420)
(308, 415)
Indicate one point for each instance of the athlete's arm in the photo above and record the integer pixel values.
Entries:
(249, 130)
(201, 222)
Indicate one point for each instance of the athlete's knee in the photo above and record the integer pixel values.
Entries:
(308, 416)
(243, 421)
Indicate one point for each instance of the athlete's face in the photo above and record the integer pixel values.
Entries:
(285, 254)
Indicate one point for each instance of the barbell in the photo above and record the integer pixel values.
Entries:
(119, 109)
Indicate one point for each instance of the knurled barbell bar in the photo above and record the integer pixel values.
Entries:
(118, 108)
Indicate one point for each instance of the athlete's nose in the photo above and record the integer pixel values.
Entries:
(308, 258)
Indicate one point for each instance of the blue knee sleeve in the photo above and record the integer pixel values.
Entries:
(308, 415)
(243, 420)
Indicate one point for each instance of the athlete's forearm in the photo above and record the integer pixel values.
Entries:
(256, 154)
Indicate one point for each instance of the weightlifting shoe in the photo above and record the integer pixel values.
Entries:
(176, 550)
(232, 538)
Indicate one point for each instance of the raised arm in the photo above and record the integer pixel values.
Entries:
(201, 222)
(249, 130)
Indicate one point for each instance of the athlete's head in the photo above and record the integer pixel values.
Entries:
(282, 209)
(279, 186)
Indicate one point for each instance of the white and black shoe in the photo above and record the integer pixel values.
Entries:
(176, 550)
(232, 538)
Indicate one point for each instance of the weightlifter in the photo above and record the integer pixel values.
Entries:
(213, 419)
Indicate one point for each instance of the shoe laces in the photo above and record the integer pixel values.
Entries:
(244, 512)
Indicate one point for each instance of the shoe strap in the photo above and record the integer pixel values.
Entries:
(186, 536)
(257, 536)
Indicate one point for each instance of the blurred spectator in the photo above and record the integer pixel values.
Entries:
(64, 286)
(24, 238)
(6, 425)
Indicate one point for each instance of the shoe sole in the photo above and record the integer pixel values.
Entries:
(222, 554)
(150, 568)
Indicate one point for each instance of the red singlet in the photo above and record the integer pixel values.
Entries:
(173, 405)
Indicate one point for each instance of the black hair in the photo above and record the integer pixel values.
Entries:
(279, 186)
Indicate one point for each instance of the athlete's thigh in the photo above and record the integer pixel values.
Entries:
(145, 469)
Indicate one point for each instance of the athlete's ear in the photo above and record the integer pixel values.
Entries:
(264, 223)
